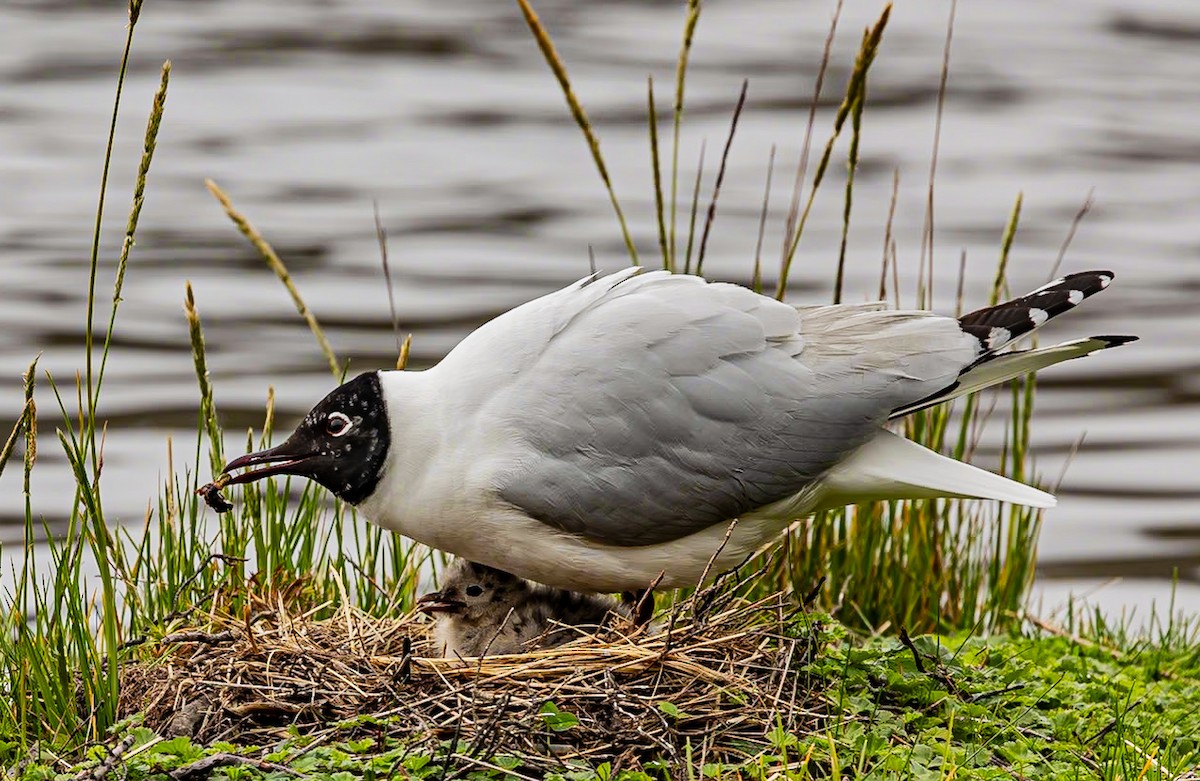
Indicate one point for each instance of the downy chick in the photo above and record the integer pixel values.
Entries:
(480, 610)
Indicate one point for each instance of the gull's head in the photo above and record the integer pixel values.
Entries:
(474, 593)
(341, 444)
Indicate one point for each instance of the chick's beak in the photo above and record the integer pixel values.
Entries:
(281, 460)
(437, 602)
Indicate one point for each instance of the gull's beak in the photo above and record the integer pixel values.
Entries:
(437, 602)
(280, 460)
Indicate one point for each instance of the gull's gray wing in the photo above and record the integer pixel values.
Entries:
(655, 406)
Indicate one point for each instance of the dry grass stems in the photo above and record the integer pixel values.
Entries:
(715, 682)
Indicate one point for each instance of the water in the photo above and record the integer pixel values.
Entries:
(307, 111)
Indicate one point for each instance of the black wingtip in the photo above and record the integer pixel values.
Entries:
(1116, 341)
(999, 325)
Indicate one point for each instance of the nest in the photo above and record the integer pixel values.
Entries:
(715, 678)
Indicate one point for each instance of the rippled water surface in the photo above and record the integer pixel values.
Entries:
(308, 110)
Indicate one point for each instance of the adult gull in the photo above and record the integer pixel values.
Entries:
(608, 432)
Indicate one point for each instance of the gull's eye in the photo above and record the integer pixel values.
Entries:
(338, 424)
(474, 591)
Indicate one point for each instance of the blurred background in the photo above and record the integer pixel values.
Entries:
(307, 111)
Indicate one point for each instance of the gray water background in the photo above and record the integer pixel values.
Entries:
(306, 111)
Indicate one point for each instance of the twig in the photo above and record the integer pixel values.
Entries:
(802, 168)
(927, 235)
(101, 771)
(659, 207)
(687, 262)
(689, 30)
(887, 235)
(196, 636)
(1058, 631)
(203, 768)
(712, 205)
(854, 89)
(382, 237)
(756, 281)
(1086, 207)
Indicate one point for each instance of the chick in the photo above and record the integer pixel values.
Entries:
(480, 610)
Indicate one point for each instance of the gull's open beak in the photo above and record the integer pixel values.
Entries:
(437, 602)
(281, 460)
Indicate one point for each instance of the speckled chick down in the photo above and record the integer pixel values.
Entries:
(483, 611)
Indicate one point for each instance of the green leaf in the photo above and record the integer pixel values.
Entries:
(558, 721)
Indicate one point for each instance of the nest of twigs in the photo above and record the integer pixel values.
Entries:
(715, 676)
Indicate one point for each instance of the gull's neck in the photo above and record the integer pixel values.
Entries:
(434, 462)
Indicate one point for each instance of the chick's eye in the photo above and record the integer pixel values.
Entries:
(474, 591)
(338, 424)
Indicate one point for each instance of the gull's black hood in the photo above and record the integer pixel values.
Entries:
(342, 443)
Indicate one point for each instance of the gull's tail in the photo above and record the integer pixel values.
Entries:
(997, 327)
(892, 467)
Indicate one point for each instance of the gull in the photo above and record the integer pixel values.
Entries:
(610, 433)
(481, 610)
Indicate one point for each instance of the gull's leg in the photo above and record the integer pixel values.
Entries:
(640, 604)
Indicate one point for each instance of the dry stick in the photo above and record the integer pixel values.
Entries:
(925, 294)
(712, 205)
(756, 282)
(854, 87)
(382, 238)
(203, 768)
(101, 771)
(1058, 631)
(1086, 207)
(560, 72)
(273, 260)
(887, 235)
(802, 168)
(712, 560)
(652, 114)
(689, 30)
(687, 264)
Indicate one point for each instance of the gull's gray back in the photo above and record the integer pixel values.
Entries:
(653, 406)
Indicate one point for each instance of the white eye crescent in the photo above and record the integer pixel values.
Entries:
(338, 424)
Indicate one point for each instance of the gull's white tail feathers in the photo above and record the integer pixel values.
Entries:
(892, 467)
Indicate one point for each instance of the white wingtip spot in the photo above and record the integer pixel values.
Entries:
(1105, 281)
(1074, 297)
(998, 337)
(1051, 284)
(1038, 316)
